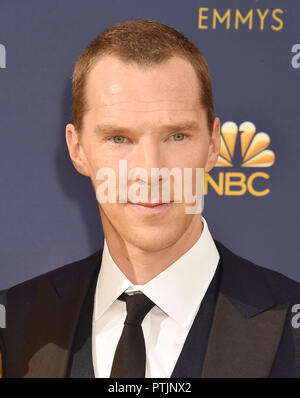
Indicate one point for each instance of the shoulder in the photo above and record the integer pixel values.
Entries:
(60, 278)
(25, 302)
(247, 275)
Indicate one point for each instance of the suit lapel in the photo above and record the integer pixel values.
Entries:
(243, 347)
(247, 324)
(54, 317)
(51, 330)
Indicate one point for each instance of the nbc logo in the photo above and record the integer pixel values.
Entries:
(253, 146)
(253, 153)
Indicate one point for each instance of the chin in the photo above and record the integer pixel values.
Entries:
(155, 239)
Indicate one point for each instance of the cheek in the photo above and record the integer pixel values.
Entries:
(199, 154)
(114, 213)
(98, 158)
(193, 155)
(192, 160)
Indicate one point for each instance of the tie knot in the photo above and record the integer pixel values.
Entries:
(137, 306)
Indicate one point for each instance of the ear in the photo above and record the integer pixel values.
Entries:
(214, 146)
(75, 150)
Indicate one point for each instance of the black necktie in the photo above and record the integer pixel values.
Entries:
(130, 356)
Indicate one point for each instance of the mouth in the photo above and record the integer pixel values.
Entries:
(150, 208)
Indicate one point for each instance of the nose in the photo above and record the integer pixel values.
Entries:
(148, 155)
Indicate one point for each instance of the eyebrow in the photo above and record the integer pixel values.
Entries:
(114, 129)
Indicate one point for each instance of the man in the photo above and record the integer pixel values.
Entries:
(163, 298)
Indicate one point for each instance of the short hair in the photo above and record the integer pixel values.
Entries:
(146, 43)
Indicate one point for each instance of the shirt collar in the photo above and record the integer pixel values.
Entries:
(178, 290)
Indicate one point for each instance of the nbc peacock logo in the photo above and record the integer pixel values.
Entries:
(253, 152)
(253, 146)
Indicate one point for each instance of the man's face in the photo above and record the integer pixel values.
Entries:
(152, 118)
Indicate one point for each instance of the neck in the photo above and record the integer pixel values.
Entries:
(140, 266)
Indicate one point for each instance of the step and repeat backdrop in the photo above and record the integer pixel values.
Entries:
(48, 212)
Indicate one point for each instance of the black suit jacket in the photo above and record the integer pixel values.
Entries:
(243, 328)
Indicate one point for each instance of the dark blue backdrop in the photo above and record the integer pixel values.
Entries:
(48, 212)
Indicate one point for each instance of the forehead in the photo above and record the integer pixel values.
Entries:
(116, 87)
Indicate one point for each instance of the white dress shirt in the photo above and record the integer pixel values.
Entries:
(177, 293)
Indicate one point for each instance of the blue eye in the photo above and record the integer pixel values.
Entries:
(118, 139)
(178, 137)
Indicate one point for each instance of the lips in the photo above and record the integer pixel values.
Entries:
(150, 204)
